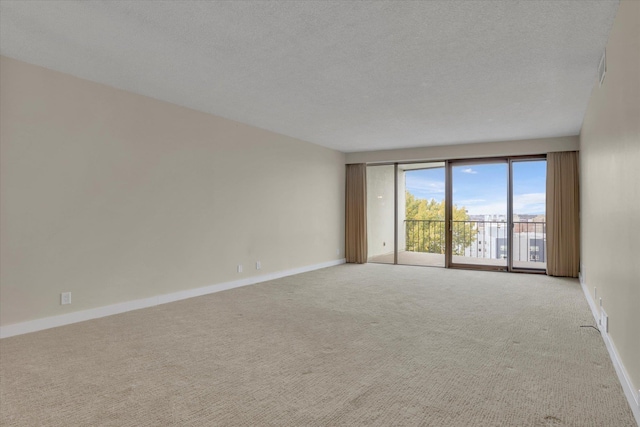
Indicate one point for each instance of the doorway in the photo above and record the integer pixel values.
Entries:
(421, 205)
(478, 225)
(484, 214)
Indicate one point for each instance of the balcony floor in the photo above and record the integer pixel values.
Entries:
(437, 260)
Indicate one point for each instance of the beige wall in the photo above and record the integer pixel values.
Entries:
(114, 196)
(610, 188)
(465, 151)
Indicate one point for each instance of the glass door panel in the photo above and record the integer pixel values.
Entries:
(478, 226)
(529, 208)
(421, 210)
(380, 214)
(484, 214)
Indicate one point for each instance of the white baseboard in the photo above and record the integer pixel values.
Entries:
(94, 313)
(629, 391)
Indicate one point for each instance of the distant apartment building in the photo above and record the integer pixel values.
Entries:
(491, 238)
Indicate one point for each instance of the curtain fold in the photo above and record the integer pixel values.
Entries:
(563, 214)
(356, 214)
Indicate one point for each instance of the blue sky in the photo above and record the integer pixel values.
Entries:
(482, 189)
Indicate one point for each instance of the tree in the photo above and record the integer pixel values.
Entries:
(425, 229)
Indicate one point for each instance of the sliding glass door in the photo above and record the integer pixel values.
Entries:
(529, 236)
(478, 214)
(421, 210)
(381, 214)
(484, 214)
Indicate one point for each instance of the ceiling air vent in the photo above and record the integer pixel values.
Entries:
(602, 68)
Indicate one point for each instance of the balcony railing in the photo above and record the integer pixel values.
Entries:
(425, 236)
(478, 239)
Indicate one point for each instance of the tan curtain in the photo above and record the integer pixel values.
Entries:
(563, 210)
(356, 214)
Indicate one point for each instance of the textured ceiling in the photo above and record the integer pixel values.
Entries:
(347, 75)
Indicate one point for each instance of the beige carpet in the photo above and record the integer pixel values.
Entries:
(350, 345)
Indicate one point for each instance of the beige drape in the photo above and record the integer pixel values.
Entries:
(356, 214)
(563, 210)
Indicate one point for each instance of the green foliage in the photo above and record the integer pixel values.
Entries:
(425, 229)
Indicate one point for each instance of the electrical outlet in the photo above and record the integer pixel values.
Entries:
(258, 265)
(65, 298)
(239, 268)
(338, 251)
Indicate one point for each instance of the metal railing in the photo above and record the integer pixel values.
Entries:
(531, 245)
(478, 239)
(425, 236)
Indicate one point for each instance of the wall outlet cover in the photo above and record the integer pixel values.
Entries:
(65, 298)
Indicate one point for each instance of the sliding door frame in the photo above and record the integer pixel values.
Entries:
(509, 160)
(448, 215)
(449, 205)
(512, 160)
(395, 213)
(449, 164)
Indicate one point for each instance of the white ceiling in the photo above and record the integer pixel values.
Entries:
(352, 76)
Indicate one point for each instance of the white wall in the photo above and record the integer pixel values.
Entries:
(467, 151)
(114, 196)
(610, 188)
(380, 206)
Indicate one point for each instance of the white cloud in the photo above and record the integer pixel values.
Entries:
(422, 188)
(486, 208)
(529, 203)
(469, 170)
(469, 201)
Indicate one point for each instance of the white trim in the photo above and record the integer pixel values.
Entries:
(629, 391)
(108, 310)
